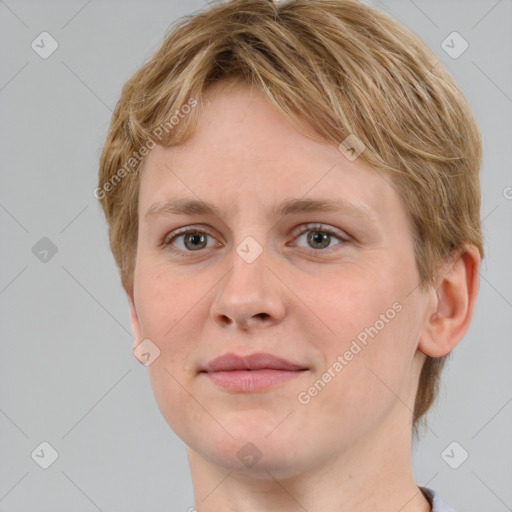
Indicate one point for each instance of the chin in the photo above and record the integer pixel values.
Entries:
(252, 454)
(255, 461)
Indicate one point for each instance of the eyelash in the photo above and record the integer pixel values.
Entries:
(167, 241)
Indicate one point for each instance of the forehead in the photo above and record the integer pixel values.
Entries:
(244, 154)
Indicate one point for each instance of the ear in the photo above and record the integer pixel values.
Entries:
(134, 319)
(451, 305)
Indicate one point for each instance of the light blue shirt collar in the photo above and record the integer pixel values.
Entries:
(438, 505)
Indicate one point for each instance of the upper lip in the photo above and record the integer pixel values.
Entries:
(258, 361)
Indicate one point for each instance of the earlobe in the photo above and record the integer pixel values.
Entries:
(452, 305)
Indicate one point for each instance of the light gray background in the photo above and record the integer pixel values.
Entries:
(67, 372)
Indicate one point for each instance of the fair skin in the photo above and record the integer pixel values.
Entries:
(349, 448)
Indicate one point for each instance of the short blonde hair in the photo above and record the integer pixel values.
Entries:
(333, 68)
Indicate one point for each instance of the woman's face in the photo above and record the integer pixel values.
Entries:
(329, 291)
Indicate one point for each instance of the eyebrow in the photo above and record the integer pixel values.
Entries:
(288, 207)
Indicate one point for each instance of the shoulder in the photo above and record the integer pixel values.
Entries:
(438, 505)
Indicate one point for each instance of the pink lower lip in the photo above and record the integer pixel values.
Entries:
(251, 380)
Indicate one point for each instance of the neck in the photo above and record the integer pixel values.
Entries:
(374, 475)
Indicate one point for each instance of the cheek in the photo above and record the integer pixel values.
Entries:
(162, 300)
(366, 382)
(371, 329)
(163, 312)
(355, 303)
(167, 306)
(377, 363)
(170, 392)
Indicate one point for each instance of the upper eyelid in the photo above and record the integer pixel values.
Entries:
(298, 231)
(314, 226)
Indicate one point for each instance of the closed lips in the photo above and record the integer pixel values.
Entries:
(259, 361)
(252, 373)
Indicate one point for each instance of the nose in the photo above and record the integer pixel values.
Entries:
(249, 296)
